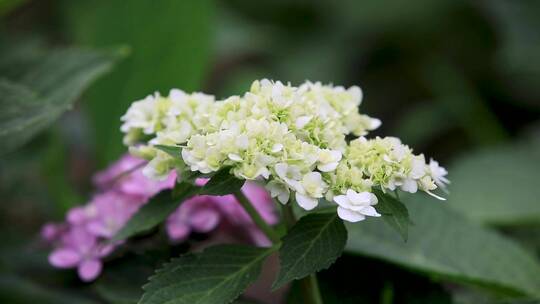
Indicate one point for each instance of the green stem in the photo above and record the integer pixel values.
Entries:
(310, 290)
(256, 217)
(308, 285)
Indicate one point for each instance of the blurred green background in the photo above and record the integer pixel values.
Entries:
(457, 80)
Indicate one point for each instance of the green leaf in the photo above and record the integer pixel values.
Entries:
(35, 95)
(393, 212)
(173, 151)
(498, 185)
(222, 183)
(445, 244)
(313, 244)
(170, 42)
(219, 274)
(156, 211)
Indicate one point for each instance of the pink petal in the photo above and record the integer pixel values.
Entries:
(64, 258)
(204, 220)
(89, 270)
(201, 181)
(177, 231)
(50, 232)
(76, 215)
(97, 228)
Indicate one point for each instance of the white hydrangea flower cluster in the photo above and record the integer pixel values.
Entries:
(292, 138)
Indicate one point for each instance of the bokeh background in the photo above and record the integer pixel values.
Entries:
(458, 80)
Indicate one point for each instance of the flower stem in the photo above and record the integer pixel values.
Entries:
(308, 285)
(256, 217)
(310, 290)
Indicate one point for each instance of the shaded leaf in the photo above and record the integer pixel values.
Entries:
(313, 244)
(219, 274)
(497, 185)
(158, 208)
(156, 211)
(393, 212)
(443, 243)
(35, 95)
(222, 183)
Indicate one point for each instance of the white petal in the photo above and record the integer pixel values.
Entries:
(283, 197)
(418, 168)
(313, 177)
(281, 170)
(234, 157)
(336, 155)
(374, 123)
(436, 196)
(409, 185)
(295, 185)
(370, 211)
(177, 95)
(342, 200)
(276, 148)
(242, 142)
(327, 167)
(306, 202)
(264, 172)
(302, 121)
(350, 216)
(358, 198)
(373, 200)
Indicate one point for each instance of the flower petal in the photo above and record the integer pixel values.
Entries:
(343, 201)
(89, 270)
(204, 220)
(64, 258)
(358, 198)
(306, 202)
(349, 215)
(178, 231)
(409, 185)
(327, 167)
(369, 211)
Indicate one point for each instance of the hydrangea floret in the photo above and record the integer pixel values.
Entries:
(294, 140)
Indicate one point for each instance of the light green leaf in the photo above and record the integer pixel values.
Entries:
(170, 42)
(443, 243)
(313, 244)
(222, 183)
(219, 274)
(394, 213)
(35, 95)
(498, 185)
(156, 211)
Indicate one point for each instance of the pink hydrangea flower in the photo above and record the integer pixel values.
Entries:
(199, 214)
(122, 190)
(110, 212)
(80, 249)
